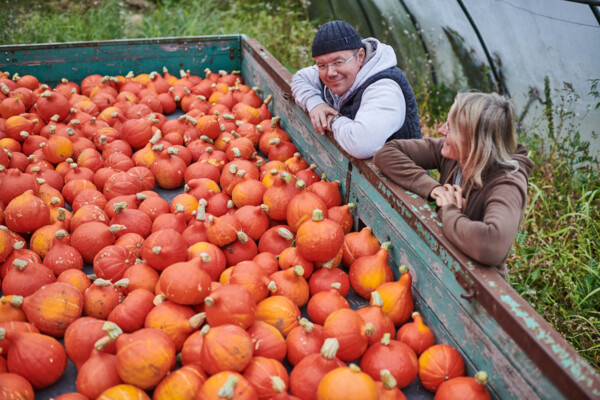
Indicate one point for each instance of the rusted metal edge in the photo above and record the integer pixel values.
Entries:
(548, 350)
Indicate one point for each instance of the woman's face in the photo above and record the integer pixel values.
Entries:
(452, 141)
(338, 70)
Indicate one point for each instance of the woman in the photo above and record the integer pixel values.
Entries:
(482, 192)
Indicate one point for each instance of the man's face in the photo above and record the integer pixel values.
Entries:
(338, 70)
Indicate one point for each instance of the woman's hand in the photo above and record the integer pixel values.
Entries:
(448, 194)
(320, 117)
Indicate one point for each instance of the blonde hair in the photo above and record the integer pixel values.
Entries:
(486, 125)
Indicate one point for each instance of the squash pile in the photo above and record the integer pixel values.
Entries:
(218, 293)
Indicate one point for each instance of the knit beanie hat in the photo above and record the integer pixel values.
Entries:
(335, 36)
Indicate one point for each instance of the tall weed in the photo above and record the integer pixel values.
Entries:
(555, 265)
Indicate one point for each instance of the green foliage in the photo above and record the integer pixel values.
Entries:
(555, 262)
(268, 22)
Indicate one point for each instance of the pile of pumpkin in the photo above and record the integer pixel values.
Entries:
(199, 297)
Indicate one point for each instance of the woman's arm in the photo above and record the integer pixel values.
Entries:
(489, 241)
(406, 161)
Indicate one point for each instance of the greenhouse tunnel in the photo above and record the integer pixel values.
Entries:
(507, 46)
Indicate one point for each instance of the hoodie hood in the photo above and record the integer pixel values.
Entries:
(379, 57)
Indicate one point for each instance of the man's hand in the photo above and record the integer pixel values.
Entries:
(320, 117)
(447, 194)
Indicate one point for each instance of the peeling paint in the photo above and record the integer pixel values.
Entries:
(560, 352)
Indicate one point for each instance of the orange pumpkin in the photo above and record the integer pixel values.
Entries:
(416, 334)
(397, 297)
(319, 239)
(144, 357)
(347, 383)
(124, 392)
(53, 307)
(279, 311)
(464, 387)
(367, 273)
(227, 384)
(439, 363)
(226, 348)
(394, 356)
(351, 332)
(183, 383)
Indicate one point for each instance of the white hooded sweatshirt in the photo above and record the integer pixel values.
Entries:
(382, 110)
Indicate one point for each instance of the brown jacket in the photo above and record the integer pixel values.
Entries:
(485, 229)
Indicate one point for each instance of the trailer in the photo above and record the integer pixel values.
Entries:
(468, 306)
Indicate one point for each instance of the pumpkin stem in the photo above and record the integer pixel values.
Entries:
(278, 384)
(159, 299)
(179, 208)
(328, 264)
(386, 246)
(306, 324)
(481, 377)
(336, 285)
(205, 329)
(376, 299)
(300, 184)
(385, 340)
(354, 368)
(388, 380)
(274, 121)
(317, 215)
(20, 264)
(298, 270)
(101, 343)
(264, 208)
(196, 320)
(114, 228)
(403, 269)
(61, 233)
(119, 207)
(102, 282)
(285, 233)
(112, 330)
(242, 237)
(272, 286)
(141, 196)
(156, 249)
(15, 300)
(121, 283)
(370, 329)
(2, 333)
(228, 389)
(205, 257)
(209, 301)
(330, 348)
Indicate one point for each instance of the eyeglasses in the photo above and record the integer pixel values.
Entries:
(336, 64)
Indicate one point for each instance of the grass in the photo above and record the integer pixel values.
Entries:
(555, 264)
(555, 261)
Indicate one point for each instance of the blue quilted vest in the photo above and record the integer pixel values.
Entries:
(411, 128)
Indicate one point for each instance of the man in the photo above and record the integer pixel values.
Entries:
(356, 91)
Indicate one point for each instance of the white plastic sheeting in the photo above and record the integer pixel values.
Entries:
(531, 39)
